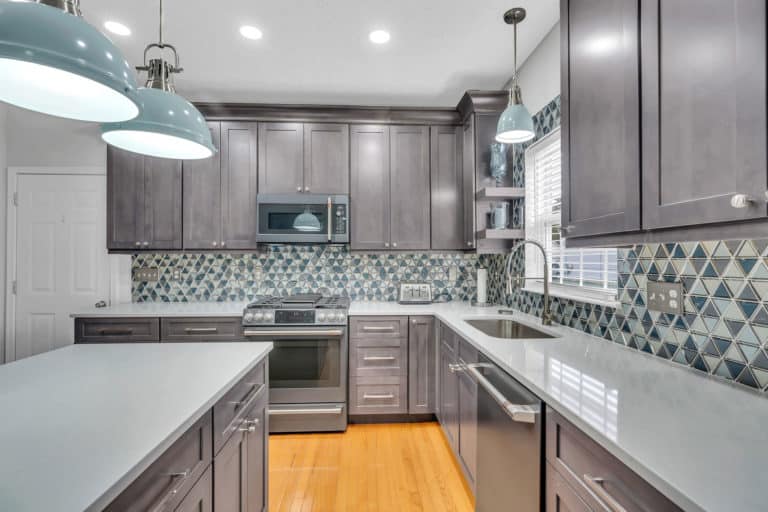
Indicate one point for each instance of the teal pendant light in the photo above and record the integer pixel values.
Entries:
(168, 126)
(515, 124)
(53, 62)
(307, 222)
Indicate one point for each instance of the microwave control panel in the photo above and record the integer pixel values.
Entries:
(340, 220)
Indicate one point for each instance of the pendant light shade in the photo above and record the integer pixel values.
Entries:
(55, 63)
(307, 222)
(168, 127)
(515, 124)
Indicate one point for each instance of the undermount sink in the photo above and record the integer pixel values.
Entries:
(507, 329)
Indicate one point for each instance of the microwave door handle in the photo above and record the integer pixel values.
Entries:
(330, 219)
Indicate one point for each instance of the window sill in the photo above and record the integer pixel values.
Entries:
(602, 298)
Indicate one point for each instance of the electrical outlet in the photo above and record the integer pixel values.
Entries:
(257, 273)
(453, 273)
(176, 275)
(147, 275)
(665, 297)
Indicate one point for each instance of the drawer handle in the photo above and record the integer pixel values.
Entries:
(388, 396)
(249, 426)
(293, 412)
(369, 328)
(378, 358)
(595, 485)
(115, 332)
(201, 330)
(177, 483)
(243, 406)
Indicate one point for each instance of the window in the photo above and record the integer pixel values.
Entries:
(583, 274)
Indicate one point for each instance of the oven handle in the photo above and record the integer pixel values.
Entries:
(279, 333)
(292, 412)
(330, 219)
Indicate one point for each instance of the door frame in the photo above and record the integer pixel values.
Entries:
(9, 352)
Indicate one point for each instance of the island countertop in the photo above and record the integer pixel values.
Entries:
(81, 423)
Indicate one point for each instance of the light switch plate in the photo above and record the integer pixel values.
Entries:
(665, 297)
(147, 275)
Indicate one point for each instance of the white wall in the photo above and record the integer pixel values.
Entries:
(540, 73)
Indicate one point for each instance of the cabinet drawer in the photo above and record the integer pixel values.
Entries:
(201, 329)
(379, 327)
(378, 395)
(596, 475)
(200, 498)
(560, 496)
(172, 475)
(117, 330)
(384, 361)
(243, 395)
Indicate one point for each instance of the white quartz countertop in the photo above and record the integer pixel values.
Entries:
(701, 442)
(79, 424)
(164, 309)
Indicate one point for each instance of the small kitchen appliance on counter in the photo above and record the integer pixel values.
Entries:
(415, 293)
(308, 365)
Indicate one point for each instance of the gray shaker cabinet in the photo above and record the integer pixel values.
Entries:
(326, 158)
(410, 187)
(281, 158)
(421, 365)
(447, 189)
(369, 194)
(144, 202)
(704, 111)
(600, 117)
(202, 198)
(449, 388)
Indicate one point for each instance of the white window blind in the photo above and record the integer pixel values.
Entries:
(585, 269)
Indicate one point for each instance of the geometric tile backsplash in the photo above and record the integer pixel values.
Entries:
(286, 269)
(722, 332)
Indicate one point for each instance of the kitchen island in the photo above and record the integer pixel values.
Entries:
(84, 424)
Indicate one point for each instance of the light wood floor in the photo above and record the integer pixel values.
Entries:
(371, 468)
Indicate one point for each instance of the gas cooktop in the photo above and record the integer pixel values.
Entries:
(304, 309)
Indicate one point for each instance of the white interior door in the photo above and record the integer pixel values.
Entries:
(61, 258)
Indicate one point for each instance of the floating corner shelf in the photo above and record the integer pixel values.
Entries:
(501, 234)
(500, 193)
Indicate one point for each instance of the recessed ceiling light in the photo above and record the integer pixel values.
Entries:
(250, 32)
(379, 36)
(117, 28)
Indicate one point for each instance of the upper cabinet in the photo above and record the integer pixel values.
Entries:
(704, 111)
(304, 158)
(664, 101)
(447, 186)
(390, 187)
(600, 134)
(143, 202)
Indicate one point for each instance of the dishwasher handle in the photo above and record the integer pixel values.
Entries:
(520, 413)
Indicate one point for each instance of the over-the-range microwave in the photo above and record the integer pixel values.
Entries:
(303, 218)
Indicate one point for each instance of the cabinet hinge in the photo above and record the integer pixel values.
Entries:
(15, 199)
(14, 287)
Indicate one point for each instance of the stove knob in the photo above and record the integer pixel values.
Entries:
(269, 317)
(258, 317)
(321, 317)
(248, 317)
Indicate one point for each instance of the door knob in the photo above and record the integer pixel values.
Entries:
(138, 244)
(740, 201)
(215, 244)
(298, 189)
(386, 244)
(394, 244)
(145, 244)
(223, 244)
(306, 189)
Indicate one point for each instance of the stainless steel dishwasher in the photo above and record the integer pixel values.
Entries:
(509, 438)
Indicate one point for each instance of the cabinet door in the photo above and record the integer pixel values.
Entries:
(468, 182)
(326, 158)
(202, 198)
(421, 365)
(369, 194)
(257, 444)
(468, 415)
(447, 188)
(281, 160)
(704, 116)
(239, 185)
(162, 203)
(449, 394)
(560, 497)
(200, 497)
(125, 199)
(600, 117)
(409, 185)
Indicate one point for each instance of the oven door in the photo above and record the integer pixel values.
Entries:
(306, 365)
(303, 219)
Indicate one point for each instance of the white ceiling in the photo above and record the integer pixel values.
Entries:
(317, 51)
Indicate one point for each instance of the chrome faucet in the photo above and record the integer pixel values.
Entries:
(546, 315)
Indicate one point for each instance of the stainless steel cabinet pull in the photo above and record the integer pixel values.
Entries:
(201, 330)
(115, 332)
(138, 244)
(291, 412)
(306, 189)
(394, 244)
(596, 486)
(518, 413)
(740, 201)
(215, 244)
(455, 368)
(223, 244)
(379, 358)
(386, 244)
(388, 396)
(145, 244)
(281, 333)
(249, 425)
(298, 189)
(370, 328)
(177, 483)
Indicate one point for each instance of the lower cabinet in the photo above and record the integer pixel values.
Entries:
(448, 388)
(560, 496)
(166, 330)
(200, 497)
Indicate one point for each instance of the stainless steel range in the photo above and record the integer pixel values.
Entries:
(308, 365)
